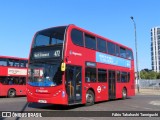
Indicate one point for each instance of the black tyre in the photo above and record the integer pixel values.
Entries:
(124, 93)
(90, 98)
(11, 93)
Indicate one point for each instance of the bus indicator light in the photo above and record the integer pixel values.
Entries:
(63, 94)
(63, 67)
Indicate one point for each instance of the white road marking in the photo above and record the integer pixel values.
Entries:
(134, 106)
(85, 118)
(155, 103)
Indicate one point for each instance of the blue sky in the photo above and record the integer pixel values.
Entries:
(20, 19)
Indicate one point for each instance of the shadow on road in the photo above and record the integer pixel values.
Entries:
(13, 97)
(61, 107)
(110, 100)
(53, 107)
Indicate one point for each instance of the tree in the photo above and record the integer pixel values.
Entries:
(148, 74)
(152, 75)
(158, 75)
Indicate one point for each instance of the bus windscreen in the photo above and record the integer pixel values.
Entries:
(44, 74)
(51, 36)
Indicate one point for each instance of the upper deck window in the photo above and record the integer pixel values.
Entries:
(77, 37)
(50, 36)
(13, 63)
(111, 48)
(101, 45)
(23, 63)
(117, 50)
(129, 54)
(122, 52)
(3, 62)
(90, 42)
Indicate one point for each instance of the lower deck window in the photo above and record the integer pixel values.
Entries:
(102, 75)
(123, 77)
(90, 74)
(13, 80)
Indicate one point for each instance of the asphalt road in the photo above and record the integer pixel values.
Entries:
(136, 103)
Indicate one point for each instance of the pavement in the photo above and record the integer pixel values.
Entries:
(149, 91)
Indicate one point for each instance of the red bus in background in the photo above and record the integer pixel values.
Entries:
(69, 65)
(13, 72)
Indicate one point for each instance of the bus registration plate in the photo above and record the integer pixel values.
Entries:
(42, 101)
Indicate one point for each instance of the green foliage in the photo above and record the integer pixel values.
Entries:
(149, 75)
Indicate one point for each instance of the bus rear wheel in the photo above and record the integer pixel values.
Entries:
(90, 98)
(124, 93)
(11, 93)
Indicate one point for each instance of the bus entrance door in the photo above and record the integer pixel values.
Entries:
(112, 84)
(74, 84)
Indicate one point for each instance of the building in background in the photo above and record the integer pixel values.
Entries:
(155, 49)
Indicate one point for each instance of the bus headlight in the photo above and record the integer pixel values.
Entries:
(57, 93)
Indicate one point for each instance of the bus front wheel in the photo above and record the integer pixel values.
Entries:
(89, 98)
(11, 93)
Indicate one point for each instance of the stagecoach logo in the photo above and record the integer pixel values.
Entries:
(41, 90)
(75, 53)
(99, 89)
(14, 71)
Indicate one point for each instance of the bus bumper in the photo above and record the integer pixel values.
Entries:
(57, 97)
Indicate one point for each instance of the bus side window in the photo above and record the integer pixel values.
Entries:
(118, 76)
(77, 37)
(3, 62)
(102, 75)
(90, 74)
(10, 81)
(123, 76)
(123, 52)
(24, 81)
(90, 42)
(111, 48)
(101, 45)
(129, 54)
(128, 77)
(20, 81)
(87, 79)
(1, 80)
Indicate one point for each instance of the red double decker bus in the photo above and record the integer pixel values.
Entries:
(69, 65)
(13, 73)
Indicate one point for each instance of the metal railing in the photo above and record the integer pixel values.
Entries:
(149, 84)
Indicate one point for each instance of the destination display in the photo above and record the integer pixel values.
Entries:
(46, 54)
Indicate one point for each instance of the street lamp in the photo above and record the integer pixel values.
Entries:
(138, 74)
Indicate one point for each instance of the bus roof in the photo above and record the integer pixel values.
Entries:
(96, 35)
(11, 57)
